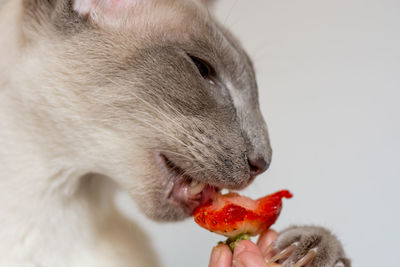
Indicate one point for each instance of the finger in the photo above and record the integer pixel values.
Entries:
(221, 256)
(247, 254)
(265, 242)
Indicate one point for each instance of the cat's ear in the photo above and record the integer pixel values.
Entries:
(108, 10)
(66, 13)
(105, 8)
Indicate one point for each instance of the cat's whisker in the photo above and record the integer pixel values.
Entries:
(154, 108)
(159, 111)
(168, 128)
(161, 131)
(175, 153)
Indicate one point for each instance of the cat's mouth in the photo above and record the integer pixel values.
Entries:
(183, 189)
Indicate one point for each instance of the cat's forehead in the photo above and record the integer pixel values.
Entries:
(169, 31)
(198, 33)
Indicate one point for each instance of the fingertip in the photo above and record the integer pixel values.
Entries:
(245, 245)
(249, 254)
(249, 259)
(266, 239)
(271, 232)
(225, 249)
(221, 256)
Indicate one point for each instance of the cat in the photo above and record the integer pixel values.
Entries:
(151, 97)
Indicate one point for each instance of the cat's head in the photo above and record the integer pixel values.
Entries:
(154, 94)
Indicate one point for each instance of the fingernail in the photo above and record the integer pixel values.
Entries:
(215, 256)
(239, 248)
(236, 263)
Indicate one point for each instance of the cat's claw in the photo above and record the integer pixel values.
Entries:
(307, 258)
(308, 246)
(287, 252)
(339, 264)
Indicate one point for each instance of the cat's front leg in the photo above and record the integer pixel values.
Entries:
(309, 246)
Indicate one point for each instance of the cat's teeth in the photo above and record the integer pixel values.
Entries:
(196, 187)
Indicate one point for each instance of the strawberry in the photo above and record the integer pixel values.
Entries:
(233, 215)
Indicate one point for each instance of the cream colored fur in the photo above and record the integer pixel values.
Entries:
(38, 221)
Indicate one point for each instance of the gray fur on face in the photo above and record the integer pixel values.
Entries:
(135, 82)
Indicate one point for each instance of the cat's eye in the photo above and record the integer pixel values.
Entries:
(205, 69)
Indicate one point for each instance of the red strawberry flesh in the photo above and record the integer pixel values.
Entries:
(232, 214)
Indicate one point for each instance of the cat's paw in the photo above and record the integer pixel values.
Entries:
(309, 246)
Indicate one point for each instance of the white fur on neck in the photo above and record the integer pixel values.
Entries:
(57, 215)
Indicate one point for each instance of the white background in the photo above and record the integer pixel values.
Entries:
(329, 81)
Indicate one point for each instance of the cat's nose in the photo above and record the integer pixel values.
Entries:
(258, 164)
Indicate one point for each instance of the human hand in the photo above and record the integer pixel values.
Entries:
(246, 253)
